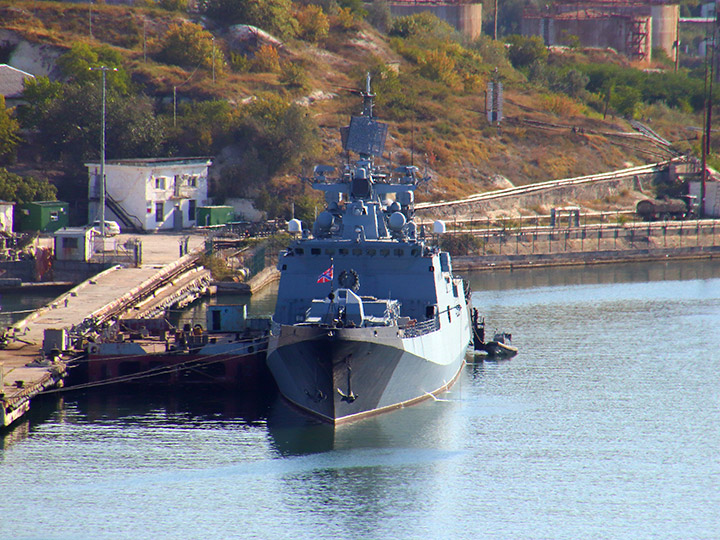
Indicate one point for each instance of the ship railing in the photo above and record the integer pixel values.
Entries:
(415, 329)
(275, 328)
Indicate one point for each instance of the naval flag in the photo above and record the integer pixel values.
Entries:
(327, 275)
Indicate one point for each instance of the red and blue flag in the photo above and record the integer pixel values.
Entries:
(327, 275)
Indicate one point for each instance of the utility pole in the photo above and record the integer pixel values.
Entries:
(496, 14)
(104, 70)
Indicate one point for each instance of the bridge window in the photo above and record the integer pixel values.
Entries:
(357, 251)
(384, 252)
(371, 252)
(299, 251)
(343, 251)
(399, 252)
(329, 251)
(315, 251)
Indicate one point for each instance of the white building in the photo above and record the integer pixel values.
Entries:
(11, 84)
(74, 243)
(150, 194)
(6, 216)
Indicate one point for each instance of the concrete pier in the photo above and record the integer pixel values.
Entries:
(25, 370)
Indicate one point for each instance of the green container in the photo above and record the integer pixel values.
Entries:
(42, 216)
(213, 215)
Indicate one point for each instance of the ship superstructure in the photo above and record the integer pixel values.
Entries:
(369, 317)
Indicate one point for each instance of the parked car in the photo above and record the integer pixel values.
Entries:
(111, 227)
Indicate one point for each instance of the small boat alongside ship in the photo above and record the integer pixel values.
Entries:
(499, 347)
(369, 316)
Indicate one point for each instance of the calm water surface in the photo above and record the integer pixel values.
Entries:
(606, 425)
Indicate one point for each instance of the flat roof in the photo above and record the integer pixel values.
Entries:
(144, 162)
(46, 203)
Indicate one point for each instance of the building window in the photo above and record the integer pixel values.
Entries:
(192, 205)
(159, 212)
(160, 182)
(70, 243)
(193, 181)
(54, 216)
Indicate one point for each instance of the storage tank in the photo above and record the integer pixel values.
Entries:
(665, 20)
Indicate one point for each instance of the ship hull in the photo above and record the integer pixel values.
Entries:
(340, 375)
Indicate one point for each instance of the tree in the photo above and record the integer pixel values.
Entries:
(274, 136)
(187, 45)
(313, 23)
(75, 64)
(266, 60)
(39, 94)
(293, 76)
(18, 189)
(273, 16)
(625, 100)
(174, 5)
(202, 129)
(423, 24)
(9, 138)
(524, 50)
(70, 131)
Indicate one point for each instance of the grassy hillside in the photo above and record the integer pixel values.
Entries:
(430, 89)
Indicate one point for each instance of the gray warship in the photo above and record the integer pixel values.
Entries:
(369, 316)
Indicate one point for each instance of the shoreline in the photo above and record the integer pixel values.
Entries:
(543, 260)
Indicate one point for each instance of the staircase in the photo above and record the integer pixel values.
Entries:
(128, 222)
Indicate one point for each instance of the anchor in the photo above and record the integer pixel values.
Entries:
(350, 396)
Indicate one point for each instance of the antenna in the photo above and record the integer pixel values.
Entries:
(412, 142)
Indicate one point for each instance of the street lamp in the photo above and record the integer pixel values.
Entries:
(104, 70)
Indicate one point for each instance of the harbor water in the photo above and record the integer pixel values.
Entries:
(606, 425)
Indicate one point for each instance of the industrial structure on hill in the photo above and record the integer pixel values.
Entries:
(631, 28)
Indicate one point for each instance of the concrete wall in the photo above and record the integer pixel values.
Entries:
(71, 271)
(465, 18)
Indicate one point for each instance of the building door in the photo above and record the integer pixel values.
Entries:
(177, 218)
(192, 204)
(159, 212)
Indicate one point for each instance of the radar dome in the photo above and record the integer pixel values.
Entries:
(396, 221)
(295, 226)
(439, 227)
(324, 221)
